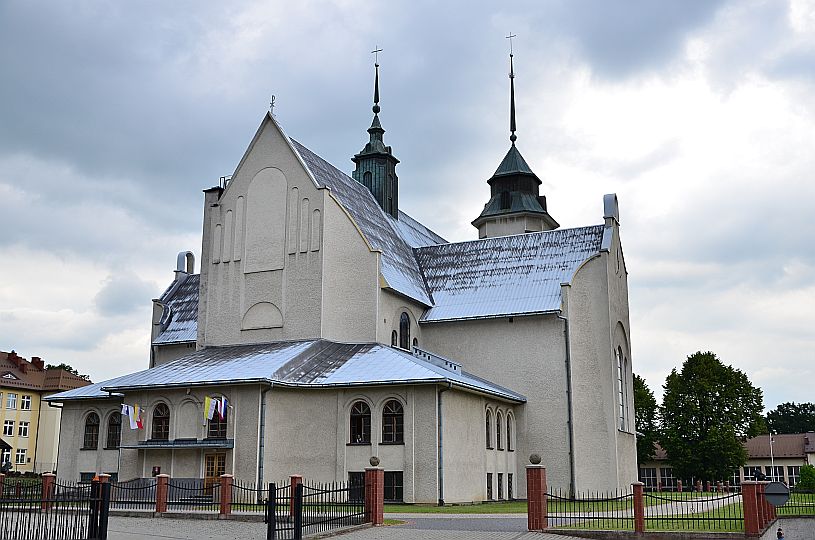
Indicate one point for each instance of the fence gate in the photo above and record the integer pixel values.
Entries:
(311, 508)
(54, 511)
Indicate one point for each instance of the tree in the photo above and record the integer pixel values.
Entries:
(708, 409)
(807, 479)
(69, 369)
(645, 419)
(792, 418)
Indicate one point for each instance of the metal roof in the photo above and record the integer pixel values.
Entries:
(399, 266)
(307, 364)
(513, 163)
(504, 276)
(179, 322)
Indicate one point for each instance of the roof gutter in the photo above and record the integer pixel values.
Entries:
(569, 406)
(496, 316)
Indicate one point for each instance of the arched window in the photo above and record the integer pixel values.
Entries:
(404, 331)
(498, 421)
(509, 434)
(114, 431)
(217, 427)
(415, 342)
(620, 387)
(393, 422)
(161, 423)
(488, 430)
(367, 179)
(506, 200)
(91, 439)
(360, 423)
(394, 339)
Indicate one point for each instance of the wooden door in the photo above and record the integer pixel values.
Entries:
(214, 467)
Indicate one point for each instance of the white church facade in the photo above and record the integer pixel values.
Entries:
(338, 328)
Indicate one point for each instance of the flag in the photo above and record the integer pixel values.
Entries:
(213, 403)
(132, 416)
(137, 412)
(222, 405)
(124, 410)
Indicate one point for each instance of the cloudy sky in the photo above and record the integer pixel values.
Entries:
(700, 115)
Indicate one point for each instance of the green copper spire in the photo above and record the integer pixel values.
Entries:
(376, 164)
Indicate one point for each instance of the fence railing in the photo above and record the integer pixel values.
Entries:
(136, 494)
(591, 510)
(693, 511)
(297, 509)
(280, 513)
(800, 503)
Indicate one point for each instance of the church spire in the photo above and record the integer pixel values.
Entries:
(512, 136)
(376, 164)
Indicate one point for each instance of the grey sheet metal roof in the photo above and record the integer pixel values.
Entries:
(505, 276)
(307, 364)
(180, 318)
(92, 391)
(399, 266)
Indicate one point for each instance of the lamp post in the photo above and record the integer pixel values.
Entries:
(772, 459)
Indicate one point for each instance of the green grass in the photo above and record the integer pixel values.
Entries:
(507, 507)
(389, 522)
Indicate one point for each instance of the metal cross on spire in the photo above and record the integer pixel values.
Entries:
(376, 52)
(509, 37)
(512, 136)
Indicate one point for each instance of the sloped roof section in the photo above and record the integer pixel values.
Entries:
(180, 319)
(307, 364)
(399, 266)
(505, 276)
(513, 163)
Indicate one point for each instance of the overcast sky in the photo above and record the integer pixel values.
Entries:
(700, 115)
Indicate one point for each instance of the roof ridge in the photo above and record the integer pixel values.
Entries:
(529, 234)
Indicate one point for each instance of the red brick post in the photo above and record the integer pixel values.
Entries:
(749, 497)
(226, 494)
(763, 513)
(162, 490)
(707, 486)
(375, 496)
(537, 512)
(679, 486)
(48, 480)
(639, 507)
(294, 480)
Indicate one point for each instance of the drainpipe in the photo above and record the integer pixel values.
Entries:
(53, 406)
(567, 344)
(440, 427)
(261, 442)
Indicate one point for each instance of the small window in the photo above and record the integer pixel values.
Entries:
(8, 428)
(404, 331)
(217, 427)
(25, 403)
(506, 200)
(91, 437)
(500, 486)
(161, 423)
(509, 486)
(86, 477)
(360, 423)
(499, 443)
(510, 447)
(393, 418)
(19, 457)
(394, 339)
(393, 486)
(114, 431)
(488, 430)
(11, 401)
(356, 485)
(415, 342)
(367, 179)
(6, 456)
(489, 486)
(23, 429)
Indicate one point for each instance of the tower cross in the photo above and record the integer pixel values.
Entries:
(509, 37)
(376, 52)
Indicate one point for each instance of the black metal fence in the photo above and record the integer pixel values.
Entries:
(192, 495)
(800, 503)
(136, 494)
(693, 511)
(314, 508)
(247, 497)
(22, 488)
(591, 510)
(69, 511)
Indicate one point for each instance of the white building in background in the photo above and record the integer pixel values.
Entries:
(338, 328)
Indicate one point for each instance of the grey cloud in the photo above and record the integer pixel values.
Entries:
(122, 294)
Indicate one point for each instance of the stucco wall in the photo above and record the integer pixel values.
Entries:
(391, 307)
(169, 352)
(47, 438)
(72, 459)
(526, 355)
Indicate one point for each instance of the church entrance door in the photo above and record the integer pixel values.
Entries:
(214, 467)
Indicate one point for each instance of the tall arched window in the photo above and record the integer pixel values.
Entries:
(114, 431)
(404, 331)
(620, 386)
(394, 339)
(360, 423)
(488, 430)
(415, 342)
(367, 179)
(393, 422)
(506, 200)
(510, 447)
(161, 423)
(498, 421)
(91, 439)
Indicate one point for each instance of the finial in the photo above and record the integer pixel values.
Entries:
(512, 128)
(271, 104)
(376, 52)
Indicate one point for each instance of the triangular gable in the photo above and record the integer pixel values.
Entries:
(10, 376)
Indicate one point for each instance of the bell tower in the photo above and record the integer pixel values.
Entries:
(376, 164)
(516, 205)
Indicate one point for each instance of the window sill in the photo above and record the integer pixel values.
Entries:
(88, 448)
(110, 448)
(490, 448)
(358, 444)
(400, 443)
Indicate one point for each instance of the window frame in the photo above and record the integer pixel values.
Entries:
(90, 434)
(394, 487)
(8, 428)
(510, 446)
(160, 424)
(359, 434)
(499, 419)
(25, 402)
(11, 401)
(23, 428)
(393, 422)
(18, 454)
(404, 331)
(113, 438)
(488, 429)
(216, 428)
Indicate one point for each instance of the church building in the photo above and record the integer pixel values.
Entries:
(327, 326)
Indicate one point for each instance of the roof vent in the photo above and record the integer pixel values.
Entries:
(436, 360)
(185, 263)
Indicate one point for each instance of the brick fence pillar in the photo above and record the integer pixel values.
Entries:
(294, 480)
(679, 486)
(763, 514)
(226, 494)
(162, 491)
(639, 507)
(48, 481)
(750, 508)
(707, 486)
(537, 512)
(375, 495)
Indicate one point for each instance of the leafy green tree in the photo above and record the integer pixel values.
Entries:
(807, 479)
(645, 419)
(708, 409)
(792, 418)
(69, 369)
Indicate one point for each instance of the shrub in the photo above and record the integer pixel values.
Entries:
(807, 481)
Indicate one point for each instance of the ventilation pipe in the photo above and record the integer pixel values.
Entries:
(184, 264)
